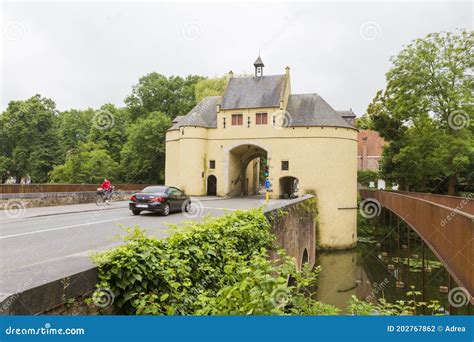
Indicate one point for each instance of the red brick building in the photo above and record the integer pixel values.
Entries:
(369, 150)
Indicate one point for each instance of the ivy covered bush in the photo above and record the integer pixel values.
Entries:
(216, 267)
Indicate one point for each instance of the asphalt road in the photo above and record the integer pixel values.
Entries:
(44, 244)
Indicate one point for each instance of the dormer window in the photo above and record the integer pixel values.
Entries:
(261, 118)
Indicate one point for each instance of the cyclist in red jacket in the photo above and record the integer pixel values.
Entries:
(106, 184)
(107, 188)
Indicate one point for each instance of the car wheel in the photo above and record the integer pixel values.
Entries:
(187, 207)
(136, 212)
(166, 209)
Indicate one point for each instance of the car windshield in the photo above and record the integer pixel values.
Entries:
(154, 189)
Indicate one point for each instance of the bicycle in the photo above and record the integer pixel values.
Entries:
(104, 196)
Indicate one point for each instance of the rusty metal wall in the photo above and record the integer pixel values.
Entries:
(448, 232)
(30, 188)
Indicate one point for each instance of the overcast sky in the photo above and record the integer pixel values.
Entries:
(87, 54)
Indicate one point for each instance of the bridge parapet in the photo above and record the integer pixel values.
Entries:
(465, 204)
(448, 232)
(294, 225)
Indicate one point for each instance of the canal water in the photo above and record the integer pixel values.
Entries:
(385, 264)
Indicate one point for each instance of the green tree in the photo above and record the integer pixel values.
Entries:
(88, 163)
(364, 122)
(210, 87)
(426, 113)
(109, 128)
(73, 128)
(29, 139)
(5, 166)
(157, 93)
(143, 156)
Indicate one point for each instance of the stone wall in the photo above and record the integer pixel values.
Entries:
(45, 199)
(294, 224)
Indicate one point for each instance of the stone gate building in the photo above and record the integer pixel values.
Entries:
(221, 145)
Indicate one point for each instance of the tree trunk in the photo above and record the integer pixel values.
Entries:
(452, 185)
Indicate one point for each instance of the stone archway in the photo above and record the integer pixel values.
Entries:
(245, 176)
(288, 187)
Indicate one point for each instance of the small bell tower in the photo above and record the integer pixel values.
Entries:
(258, 67)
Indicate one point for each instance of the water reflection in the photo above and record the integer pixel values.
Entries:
(387, 269)
(341, 277)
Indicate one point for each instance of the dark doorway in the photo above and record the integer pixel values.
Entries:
(211, 185)
(288, 187)
(305, 257)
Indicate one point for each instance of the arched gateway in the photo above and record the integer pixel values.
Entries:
(229, 141)
(245, 169)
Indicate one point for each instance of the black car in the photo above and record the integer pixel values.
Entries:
(161, 199)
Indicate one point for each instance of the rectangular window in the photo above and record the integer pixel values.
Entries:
(285, 165)
(223, 121)
(237, 119)
(212, 164)
(261, 119)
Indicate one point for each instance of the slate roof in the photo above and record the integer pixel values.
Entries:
(264, 92)
(347, 113)
(254, 92)
(204, 114)
(258, 62)
(313, 110)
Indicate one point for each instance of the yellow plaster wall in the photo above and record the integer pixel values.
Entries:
(323, 159)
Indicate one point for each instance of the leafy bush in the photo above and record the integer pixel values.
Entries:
(261, 288)
(364, 177)
(219, 266)
(89, 163)
(400, 308)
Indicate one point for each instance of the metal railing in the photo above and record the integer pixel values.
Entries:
(34, 188)
(465, 204)
(447, 231)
